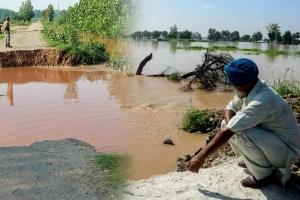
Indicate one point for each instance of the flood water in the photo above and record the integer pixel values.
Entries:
(168, 54)
(113, 112)
(116, 113)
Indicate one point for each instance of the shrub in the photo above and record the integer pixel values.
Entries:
(286, 87)
(176, 76)
(195, 120)
(119, 63)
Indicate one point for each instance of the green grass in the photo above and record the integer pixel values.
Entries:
(195, 120)
(115, 167)
(176, 76)
(286, 87)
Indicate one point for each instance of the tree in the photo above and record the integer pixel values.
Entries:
(296, 38)
(257, 36)
(185, 35)
(26, 11)
(197, 36)
(287, 37)
(234, 36)
(211, 34)
(225, 35)
(218, 36)
(37, 14)
(245, 38)
(173, 32)
(50, 10)
(48, 14)
(156, 34)
(165, 34)
(274, 32)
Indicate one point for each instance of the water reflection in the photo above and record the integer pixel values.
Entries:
(10, 93)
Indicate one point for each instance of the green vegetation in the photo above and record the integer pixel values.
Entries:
(23, 17)
(272, 53)
(48, 14)
(195, 120)
(274, 35)
(119, 63)
(26, 11)
(116, 168)
(100, 18)
(286, 87)
(173, 34)
(176, 76)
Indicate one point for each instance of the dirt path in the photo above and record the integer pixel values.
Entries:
(50, 170)
(29, 38)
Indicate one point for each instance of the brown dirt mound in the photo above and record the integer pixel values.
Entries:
(39, 57)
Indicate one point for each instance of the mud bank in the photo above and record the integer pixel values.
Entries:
(38, 57)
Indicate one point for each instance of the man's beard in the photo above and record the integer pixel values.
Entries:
(240, 94)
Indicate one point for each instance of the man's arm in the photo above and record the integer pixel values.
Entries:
(228, 114)
(220, 139)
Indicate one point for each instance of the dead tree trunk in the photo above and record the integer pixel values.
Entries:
(143, 63)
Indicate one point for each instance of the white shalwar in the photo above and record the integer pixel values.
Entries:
(267, 134)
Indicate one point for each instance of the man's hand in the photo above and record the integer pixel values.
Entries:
(195, 164)
(221, 138)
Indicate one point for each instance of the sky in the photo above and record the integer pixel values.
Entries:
(245, 16)
(37, 4)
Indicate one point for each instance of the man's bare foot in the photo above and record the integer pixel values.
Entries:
(242, 164)
(251, 181)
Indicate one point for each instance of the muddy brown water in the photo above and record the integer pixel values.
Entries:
(113, 112)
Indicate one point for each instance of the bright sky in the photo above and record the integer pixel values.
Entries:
(37, 4)
(246, 16)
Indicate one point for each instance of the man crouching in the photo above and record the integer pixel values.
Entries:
(260, 127)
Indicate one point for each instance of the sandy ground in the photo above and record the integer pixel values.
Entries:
(50, 170)
(221, 182)
(29, 38)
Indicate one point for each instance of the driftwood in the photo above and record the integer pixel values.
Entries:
(169, 70)
(142, 64)
(210, 72)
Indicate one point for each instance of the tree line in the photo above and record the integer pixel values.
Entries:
(172, 34)
(273, 29)
(27, 13)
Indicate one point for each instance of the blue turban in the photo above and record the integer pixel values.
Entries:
(241, 71)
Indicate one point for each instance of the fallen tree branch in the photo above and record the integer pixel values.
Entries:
(143, 63)
(210, 72)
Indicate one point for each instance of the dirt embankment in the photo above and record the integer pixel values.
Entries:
(29, 49)
(38, 57)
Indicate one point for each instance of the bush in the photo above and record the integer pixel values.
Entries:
(286, 87)
(195, 120)
(176, 76)
(120, 64)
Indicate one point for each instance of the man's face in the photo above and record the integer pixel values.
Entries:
(240, 91)
(240, 94)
